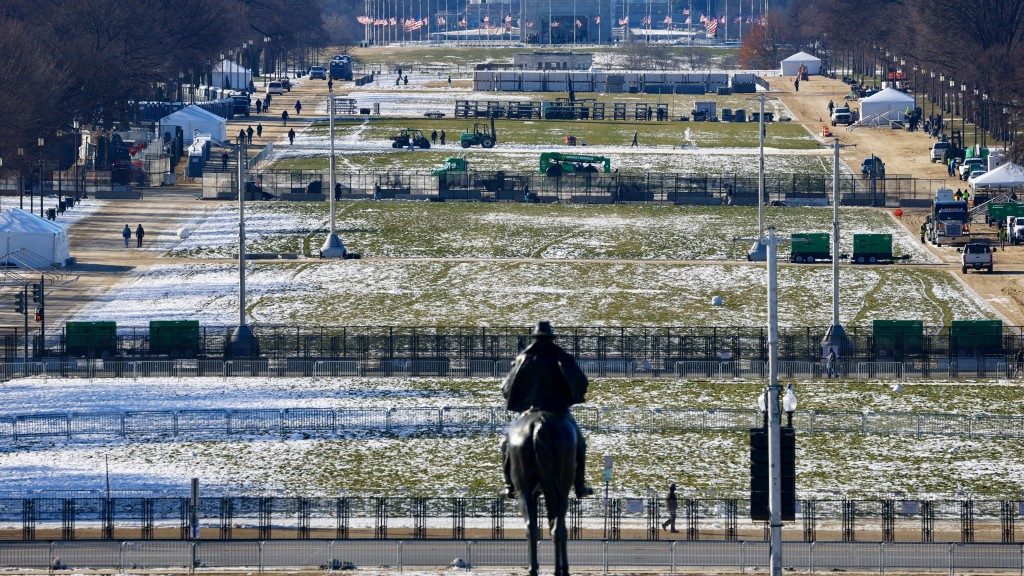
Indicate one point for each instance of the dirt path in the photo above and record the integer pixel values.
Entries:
(906, 153)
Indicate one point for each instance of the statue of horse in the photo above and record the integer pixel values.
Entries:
(542, 458)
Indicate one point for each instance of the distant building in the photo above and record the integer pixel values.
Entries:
(552, 61)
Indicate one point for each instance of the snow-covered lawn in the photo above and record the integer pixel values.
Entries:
(849, 463)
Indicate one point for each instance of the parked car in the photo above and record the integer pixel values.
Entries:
(975, 174)
(872, 167)
(976, 255)
(275, 88)
(318, 73)
(286, 84)
(974, 171)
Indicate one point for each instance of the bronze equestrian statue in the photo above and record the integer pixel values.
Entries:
(543, 451)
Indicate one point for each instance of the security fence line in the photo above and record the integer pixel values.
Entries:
(603, 555)
(462, 420)
(973, 368)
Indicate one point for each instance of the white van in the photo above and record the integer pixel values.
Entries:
(275, 88)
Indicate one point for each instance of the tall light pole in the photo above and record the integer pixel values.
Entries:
(21, 177)
(242, 342)
(757, 251)
(835, 337)
(963, 115)
(40, 143)
(774, 433)
(332, 247)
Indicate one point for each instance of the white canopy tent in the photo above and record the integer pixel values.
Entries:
(30, 242)
(1008, 175)
(195, 119)
(228, 75)
(791, 66)
(887, 106)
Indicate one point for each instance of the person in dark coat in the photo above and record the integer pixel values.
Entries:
(259, 130)
(291, 135)
(126, 233)
(284, 117)
(139, 233)
(433, 137)
(223, 164)
(671, 505)
(298, 107)
(248, 134)
(241, 136)
(259, 106)
(442, 137)
(546, 378)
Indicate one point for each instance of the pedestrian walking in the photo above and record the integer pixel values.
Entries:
(405, 79)
(832, 362)
(412, 142)
(330, 86)
(248, 133)
(298, 107)
(259, 106)
(449, 81)
(796, 84)
(291, 135)
(634, 144)
(924, 230)
(284, 117)
(442, 137)
(671, 505)
(266, 103)
(433, 137)
(398, 81)
(1020, 363)
(967, 195)
(223, 165)
(259, 130)
(241, 136)
(126, 233)
(831, 107)
(1002, 238)
(728, 195)
(139, 233)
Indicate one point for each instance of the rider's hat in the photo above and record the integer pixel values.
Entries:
(543, 330)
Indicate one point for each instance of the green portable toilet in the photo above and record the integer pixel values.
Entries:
(976, 337)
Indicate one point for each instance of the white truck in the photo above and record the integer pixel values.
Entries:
(976, 255)
(842, 116)
(1015, 229)
(939, 151)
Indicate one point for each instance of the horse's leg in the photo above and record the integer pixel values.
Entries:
(560, 538)
(528, 503)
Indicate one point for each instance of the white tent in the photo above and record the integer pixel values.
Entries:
(886, 106)
(1008, 175)
(28, 241)
(194, 118)
(791, 66)
(226, 74)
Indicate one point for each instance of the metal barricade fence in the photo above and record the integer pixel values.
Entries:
(336, 368)
(867, 370)
(680, 555)
(606, 368)
(467, 419)
(744, 369)
(698, 368)
(796, 369)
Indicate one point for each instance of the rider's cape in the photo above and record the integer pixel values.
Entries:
(544, 377)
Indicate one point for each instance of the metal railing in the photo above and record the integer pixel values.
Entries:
(454, 420)
(602, 555)
(480, 368)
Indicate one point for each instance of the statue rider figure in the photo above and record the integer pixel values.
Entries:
(546, 378)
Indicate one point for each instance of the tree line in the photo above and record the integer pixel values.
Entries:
(90, 61)
(975, 45)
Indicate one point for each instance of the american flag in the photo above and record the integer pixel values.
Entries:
(738, 20)
(578, 23)
(763, 21)
(711, 25)
(413, 24)
(529, 24)
(394, 22)
(555, 24)
(722, 20)
(508, 18)
(364, 19)
(749, 19)
(624, 21)
(668, 19)
(688, 20)
(597, 19)
(463, 23)
(440, 21)
(645, 21)
(703, 18)
(686, 11)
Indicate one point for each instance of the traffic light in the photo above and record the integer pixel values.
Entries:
(37, 292)
(760, 474)
(39, 313)
(19, 302)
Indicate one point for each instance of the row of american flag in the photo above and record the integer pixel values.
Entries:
(411, 24)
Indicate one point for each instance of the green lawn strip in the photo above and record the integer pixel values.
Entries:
(595, 133)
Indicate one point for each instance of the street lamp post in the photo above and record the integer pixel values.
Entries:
(40, 143)
(963, 111)
(757, 251)
(931, 94)
(984, 116)
(835, 337)
(21, 177)
(975, 117)
(774, 433)
(332, 247)
(242, 342)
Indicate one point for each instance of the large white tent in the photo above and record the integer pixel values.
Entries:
(791, 66)
(228, 75)
(1008, 175)
(30, 242)
(194, 118)
(887, 106)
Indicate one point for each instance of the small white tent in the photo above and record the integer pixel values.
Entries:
(1008, 175)
(194, 118)
(28, 241)
(791, 66)
(228, 75)
(886, 106)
